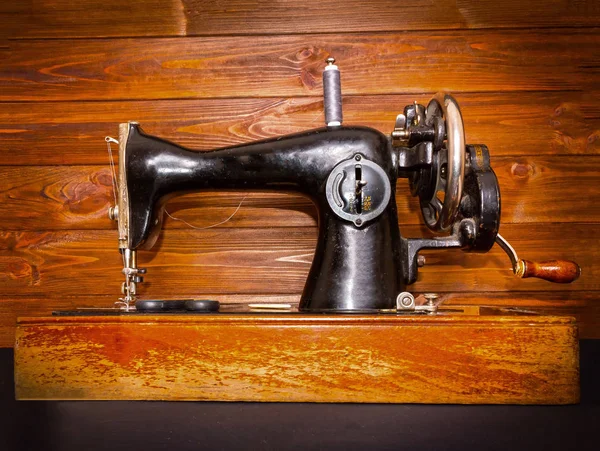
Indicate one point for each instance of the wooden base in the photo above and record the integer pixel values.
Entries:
(447, 358)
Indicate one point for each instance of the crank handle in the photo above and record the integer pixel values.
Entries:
(557, 271)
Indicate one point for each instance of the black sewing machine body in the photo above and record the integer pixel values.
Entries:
(361, 263)
(355, 268)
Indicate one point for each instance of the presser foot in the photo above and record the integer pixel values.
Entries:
(133, 276)
(125, 304)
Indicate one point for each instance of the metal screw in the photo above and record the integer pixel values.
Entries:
(421, 261)
(358, 221)
(330, 61)
(357, 157)
(430, 297)
(113, 213)
(406, 301)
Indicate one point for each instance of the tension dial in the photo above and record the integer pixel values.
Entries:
(358, 190)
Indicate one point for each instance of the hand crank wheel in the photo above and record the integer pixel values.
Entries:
(439, 214)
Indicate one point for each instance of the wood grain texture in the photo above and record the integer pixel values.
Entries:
(191, 263)
(384, 63)
(72, 132)
(65, 18)
(528, 91)
(300, 358)
(13, 307)
(584, 306)
(534, 189)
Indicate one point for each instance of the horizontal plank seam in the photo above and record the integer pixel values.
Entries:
(498, 156)
(307, 96)
(295, 96)
(97, 166)
(5, 297)
(258, 227)
(315, 96)
(582, 28)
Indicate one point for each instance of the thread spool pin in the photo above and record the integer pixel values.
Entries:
(332, 94)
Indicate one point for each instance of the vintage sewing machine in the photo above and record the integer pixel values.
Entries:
(362, 263)
(359, 276)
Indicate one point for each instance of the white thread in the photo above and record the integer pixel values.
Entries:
(108, 140)
(210, 226)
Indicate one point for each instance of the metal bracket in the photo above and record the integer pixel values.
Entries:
(405, 302)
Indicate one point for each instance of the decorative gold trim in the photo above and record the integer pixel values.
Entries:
(123, 200)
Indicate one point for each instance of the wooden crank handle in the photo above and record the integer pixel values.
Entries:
(557, 271)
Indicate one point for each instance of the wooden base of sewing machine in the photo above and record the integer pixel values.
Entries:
(293, 357)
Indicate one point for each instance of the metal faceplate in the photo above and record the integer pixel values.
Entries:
(358, 190)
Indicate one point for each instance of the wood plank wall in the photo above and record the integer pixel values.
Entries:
(213, 73)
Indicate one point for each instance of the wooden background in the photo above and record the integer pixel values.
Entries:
(213, 73)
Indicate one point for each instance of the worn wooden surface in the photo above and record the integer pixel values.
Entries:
(534, 189)
(525, 74)
(270, 261)
(580, 304)
(292, 357)
(57, 133)
(66, 19)
(387, 63)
